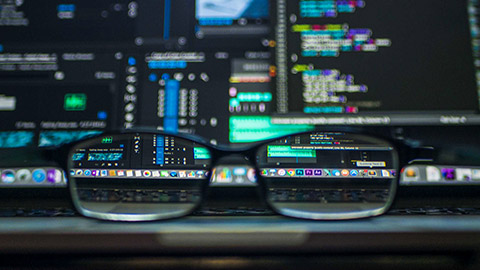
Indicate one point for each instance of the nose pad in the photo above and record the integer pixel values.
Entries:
(233, 170)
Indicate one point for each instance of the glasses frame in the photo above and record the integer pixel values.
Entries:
(405, 154)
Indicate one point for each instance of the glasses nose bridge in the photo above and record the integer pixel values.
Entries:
(237, 157)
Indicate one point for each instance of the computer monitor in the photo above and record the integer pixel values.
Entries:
(235, 71)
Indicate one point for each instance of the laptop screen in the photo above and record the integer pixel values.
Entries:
(239, 71)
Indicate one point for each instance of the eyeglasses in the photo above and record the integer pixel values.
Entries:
(155, 176)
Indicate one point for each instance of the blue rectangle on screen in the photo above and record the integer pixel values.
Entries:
(170, 122)
(160, 157)
(167, 64)
(166, 23)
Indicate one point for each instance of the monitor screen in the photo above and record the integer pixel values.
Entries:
(377, 62)
(232, 71)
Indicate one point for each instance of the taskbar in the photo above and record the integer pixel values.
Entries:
(139, 174)
(32, 177)
(418, 175)
(319, 173)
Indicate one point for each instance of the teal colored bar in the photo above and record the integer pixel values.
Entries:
(201, 153)
(247, 129)
(287, 151)
(254, 97)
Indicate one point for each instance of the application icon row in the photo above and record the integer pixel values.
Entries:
(32, 176)
(439, 174)
(159, 174)
(325, 173)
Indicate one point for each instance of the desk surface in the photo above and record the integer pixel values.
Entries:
(239, 235)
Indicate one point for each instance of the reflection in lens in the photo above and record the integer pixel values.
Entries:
(135, 177)
(324, 175)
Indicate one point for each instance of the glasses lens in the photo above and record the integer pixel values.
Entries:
(135, 177)
(323, 175)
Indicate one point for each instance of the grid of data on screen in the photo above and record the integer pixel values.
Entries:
(340, 59)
